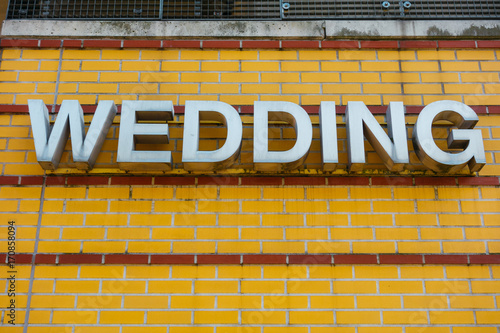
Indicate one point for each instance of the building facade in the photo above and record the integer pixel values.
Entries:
(236, 249)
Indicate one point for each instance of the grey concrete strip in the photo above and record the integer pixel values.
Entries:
(333, 29)
(164, 29)
(412, 29)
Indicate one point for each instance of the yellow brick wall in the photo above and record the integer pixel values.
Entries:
(306, 77)
(255, 219)
(276, 298)
(59, 221)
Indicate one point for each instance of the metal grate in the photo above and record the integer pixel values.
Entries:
(252, 10)
(85, 9)
(416, 9)
(221, 9)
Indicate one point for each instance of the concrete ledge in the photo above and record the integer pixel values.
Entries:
(412, 29)
(253, 29)
(164, 29)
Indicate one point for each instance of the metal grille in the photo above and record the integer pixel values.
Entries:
(221, 9)
(252, 10)
(85, 9)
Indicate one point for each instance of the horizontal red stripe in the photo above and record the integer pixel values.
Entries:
(248, 109)
(251, 181)
(257, 259)
(255, 44)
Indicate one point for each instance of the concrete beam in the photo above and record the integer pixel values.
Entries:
(164, 29)
(412, 29)
(360, 29)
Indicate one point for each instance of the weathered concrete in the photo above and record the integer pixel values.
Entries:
(253, 29)
(412, 29)
(164, 29)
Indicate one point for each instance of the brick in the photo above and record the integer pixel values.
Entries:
(337, 181)
(80, 259)
(419, 66)
(68, 286)
(483, 206)
(72, 43)
(265, 287)
(20, 192)
(464, 247)
(414, 44)
(311, 317)
(221, 44)
(74, 317)
(260, 44)
(451, 317)
(262, 206)
(219, 287)
(18, 43)
(218, 259)
(280, 77)
(354, 259)
(484, 259)
(372, 219)
(437, 206)
(477, 302)
(119, 77)
(121, 317)
(334, 44)
(475, 55)
(142, 44)
(393, 181)
(310, 259)
(360, 77)
(358, 317)
(219, 317)
(239, 302)
(440, 77)
(405, 317)
(102, 43)
(192, 302)
(9, 180)
(165, 317)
